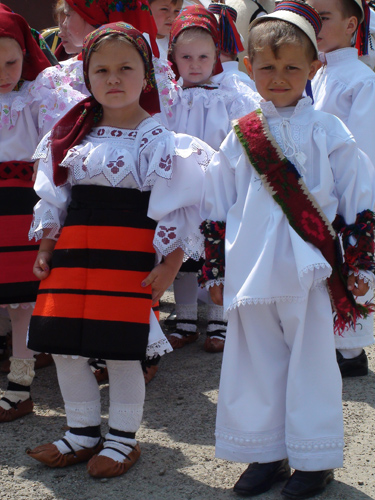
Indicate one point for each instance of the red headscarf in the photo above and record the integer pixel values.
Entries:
(134, 12)
(78, 122)
(195, 16)
(14, 26)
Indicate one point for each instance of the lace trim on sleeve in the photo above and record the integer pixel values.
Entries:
(45, 223)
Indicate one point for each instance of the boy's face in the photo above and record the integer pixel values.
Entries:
(164, 13)
(282, 80)
(337, 31)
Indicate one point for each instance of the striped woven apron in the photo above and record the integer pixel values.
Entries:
(17, 253)
(92, 303)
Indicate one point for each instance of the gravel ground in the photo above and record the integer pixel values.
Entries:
(176, 438)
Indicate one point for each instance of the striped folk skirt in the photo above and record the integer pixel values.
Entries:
(17, 254)
(92, 303)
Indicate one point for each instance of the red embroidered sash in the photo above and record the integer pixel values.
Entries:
(285, 184)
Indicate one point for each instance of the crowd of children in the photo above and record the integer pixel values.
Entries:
(158, 161)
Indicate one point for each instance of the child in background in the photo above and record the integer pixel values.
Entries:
(28, 110)
(164, 13)
(204, 109)
(272, 193)
(345, 87)
(123, 192)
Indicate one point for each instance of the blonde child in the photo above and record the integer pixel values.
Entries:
(345, 87)
(270, 197)
(28, 110)
(203, 108)
(124, 190)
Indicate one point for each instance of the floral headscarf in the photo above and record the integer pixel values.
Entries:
(14, 26)
(78, 122)
(195, 16)
(134, 12)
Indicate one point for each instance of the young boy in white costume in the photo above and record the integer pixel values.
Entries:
(345, 87)
(280, 390)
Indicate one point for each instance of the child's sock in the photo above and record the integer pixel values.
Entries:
(350, 353)
(216, 326)
(77, 441)
(20, 378)
(117, 445)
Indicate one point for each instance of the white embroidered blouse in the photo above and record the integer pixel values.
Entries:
(149, 158)
(266, 260)
(207, 113)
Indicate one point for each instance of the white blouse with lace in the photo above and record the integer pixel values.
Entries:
(266, 260)
(28, 114)
(149, 158)
(207, 112)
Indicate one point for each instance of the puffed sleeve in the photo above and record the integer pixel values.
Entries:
(51, 97)
(174, 200)
(51, 210)
(361, 119)
(219, 186)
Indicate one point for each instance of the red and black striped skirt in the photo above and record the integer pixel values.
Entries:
(17, 253)
(92, 303)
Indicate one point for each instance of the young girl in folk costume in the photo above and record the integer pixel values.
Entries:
(205, 109)
(271, 194)
(28, 109)
(123, 188)
(164, 13)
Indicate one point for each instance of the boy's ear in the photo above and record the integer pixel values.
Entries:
(352, 25)
(248, 66)
(315, 65)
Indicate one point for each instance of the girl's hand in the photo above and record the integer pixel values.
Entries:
(41, 267)
(357, 285)
(216, 293)
(163, 275)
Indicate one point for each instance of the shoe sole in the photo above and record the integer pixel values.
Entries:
(358, 372)
(280, 476)
(311, 494)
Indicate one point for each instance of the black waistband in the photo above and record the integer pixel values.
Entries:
(103, 197)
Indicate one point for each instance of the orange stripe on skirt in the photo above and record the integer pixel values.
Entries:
(93, 307)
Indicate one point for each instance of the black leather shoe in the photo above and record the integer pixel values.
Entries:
(355, 367)
(304, 484)
(259, 478)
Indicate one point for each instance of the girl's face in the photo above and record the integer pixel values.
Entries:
(76, 27)
(117, 77)
(11, 60)
(195, 59)
(164, 13)
(69, 47)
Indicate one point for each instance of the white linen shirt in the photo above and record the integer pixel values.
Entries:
(265, 259)
(345, 87)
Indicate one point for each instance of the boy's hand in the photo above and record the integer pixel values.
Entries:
(357, 285)
(163, 275)
(216, 293)
(41, 267)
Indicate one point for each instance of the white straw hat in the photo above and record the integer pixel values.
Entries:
(299, 13)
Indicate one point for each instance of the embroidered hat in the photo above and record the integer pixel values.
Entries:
(363, 32)
(78, 122)
(195, 16)
(14, 26)
(230, 38)
(299, 13)
(135, 12)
